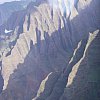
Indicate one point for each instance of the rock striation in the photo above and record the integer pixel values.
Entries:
(79, 79)
(44, 40)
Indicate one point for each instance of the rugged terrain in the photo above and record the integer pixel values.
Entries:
(9, 11)
(6, 9)
(53, 53)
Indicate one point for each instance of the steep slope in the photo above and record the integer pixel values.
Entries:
(6, 9)
(84, 80)
(63, 88)
(46, 39)
(12, 26)
(8, 18)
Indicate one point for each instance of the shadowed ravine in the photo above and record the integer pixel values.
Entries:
(1, 83)
(55, 90)
(1, 78)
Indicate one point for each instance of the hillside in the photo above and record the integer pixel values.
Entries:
(53, 50)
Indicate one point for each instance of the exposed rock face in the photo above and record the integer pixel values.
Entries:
(82, 82)
(45, 39)
(9, 19)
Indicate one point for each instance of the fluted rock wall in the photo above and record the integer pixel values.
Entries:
(83, 81)
(45, 44)
(79, 83)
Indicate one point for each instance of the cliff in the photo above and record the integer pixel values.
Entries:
(48, 41)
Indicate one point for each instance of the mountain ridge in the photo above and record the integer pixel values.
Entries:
(35, 54)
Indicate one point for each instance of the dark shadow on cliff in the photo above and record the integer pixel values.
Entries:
(1, 78)
(55, 84)
(25, 80)
(86, 84)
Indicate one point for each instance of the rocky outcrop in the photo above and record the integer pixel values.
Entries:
(46, 39)
(11, 16)
(9, 19)
(84, 81)
(74, 82)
